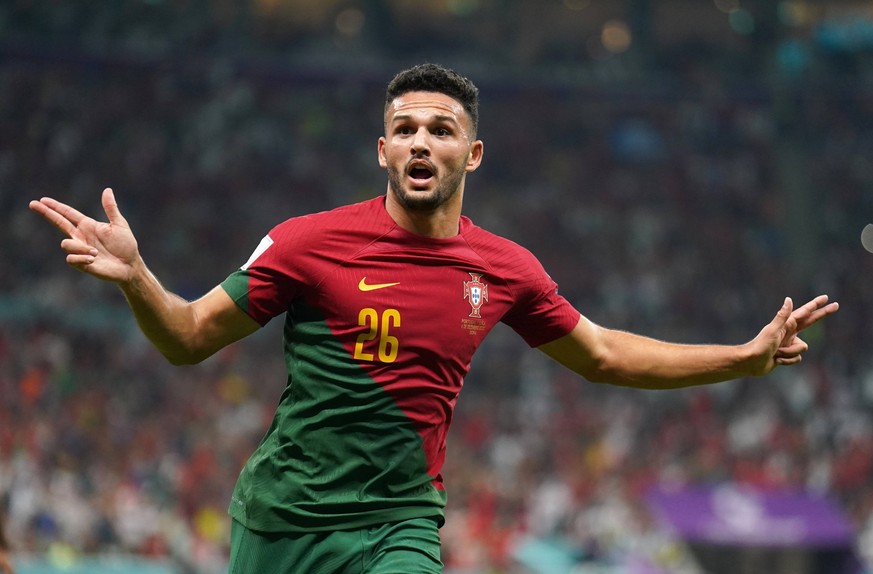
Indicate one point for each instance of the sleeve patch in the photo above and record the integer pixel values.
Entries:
(265, 244)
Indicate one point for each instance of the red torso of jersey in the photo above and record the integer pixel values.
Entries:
(409, 311)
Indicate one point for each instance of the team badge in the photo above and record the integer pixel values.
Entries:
(476, 292)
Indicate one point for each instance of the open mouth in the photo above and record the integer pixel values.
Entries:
(420, 172)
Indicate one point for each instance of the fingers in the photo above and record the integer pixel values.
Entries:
(811, 307)
(79, 253)
(792, 347)
(80, 261)
(111, 208)
(69, 213)
(67, 218)
(783, 314)
(798, 346)
(792, 321)
(815, 310)
(791, 354)
(58, 214)
(78, 247)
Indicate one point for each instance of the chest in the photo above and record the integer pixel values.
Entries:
(391, 307)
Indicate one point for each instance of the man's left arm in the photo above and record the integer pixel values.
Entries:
(615, 357)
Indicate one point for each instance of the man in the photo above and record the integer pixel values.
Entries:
(386, 302)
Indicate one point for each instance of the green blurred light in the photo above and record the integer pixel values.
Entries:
(727, 6)
(463, 7)
(742, 22)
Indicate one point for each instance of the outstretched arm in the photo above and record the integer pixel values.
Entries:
(184, 332)
(616, 357)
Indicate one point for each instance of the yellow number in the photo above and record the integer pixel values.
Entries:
(366, 318)
(388, 344)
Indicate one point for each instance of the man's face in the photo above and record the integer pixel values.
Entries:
(427, 149)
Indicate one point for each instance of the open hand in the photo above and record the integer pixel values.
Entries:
(105, 250)
(778, 342)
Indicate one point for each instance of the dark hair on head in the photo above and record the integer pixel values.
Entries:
(436, 78)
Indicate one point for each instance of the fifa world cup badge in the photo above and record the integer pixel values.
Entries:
(476, 292)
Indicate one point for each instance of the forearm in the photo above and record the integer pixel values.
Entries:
(166, 319)
(620, 358)
(185, 332)
(635, 361)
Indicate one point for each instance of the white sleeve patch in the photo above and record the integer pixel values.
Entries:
(265, 244)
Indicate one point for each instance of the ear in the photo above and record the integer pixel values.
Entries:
(475, 156)
(383, 162)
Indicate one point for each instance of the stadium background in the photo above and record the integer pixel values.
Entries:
(679, 166)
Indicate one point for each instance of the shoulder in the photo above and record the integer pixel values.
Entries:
(498, 251)
(301, 249)
(337, 228)
(513, 264)
(362, 215)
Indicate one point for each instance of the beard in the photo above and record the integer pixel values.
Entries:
(447, 188)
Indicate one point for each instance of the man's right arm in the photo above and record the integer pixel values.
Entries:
(183, 331)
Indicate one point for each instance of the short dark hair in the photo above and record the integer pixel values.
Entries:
(436, 78)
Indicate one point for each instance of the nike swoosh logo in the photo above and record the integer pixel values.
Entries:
(364, 286)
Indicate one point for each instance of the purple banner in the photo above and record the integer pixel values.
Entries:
(735, 515)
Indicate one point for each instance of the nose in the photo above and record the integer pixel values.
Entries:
(420, 143)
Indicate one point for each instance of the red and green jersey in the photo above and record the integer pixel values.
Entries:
(381, 325)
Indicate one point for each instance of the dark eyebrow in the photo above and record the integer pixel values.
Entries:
(436, 118)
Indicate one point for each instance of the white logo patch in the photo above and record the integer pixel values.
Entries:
(265, 244)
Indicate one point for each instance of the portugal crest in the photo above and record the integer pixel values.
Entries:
(476, 292)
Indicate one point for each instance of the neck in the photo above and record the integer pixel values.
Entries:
(439, 223)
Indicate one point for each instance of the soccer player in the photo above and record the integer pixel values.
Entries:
(385, 302)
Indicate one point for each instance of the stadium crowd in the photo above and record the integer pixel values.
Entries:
(672, 215)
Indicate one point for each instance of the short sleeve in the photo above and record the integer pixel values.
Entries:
(267, 283)
(542, 317)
